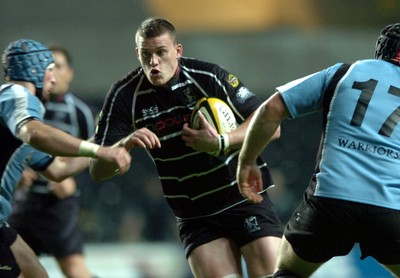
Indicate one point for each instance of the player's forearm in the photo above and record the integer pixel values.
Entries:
(48, 139)
(263, 128)
(254, 142)
(54, 141)
(65, 167)
(236, 137)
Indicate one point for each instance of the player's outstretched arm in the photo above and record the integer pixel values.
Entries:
(262, 127)
(48, 139)
(58, 143)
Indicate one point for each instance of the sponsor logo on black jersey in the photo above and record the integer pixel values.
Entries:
(190, 97)
(243, 94)
(233, 80)
(150, 111)
(168, 124)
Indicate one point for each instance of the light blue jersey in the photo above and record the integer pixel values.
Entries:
(359, 158)
(24, 156)
(17, 105)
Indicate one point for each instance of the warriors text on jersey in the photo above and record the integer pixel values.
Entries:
(361, 135)
(195, 184)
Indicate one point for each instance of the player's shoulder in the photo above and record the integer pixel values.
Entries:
(193, 64)
(9, 93)
(14, 89)
(376, 67)
(130, 79)
(370, 63)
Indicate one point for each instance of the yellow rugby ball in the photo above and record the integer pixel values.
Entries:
(217, 113)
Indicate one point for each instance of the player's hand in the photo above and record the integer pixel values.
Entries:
(143, 138)
(204, 139)
(250, 182)
(63, 189)
(28, 178)
(118, 156)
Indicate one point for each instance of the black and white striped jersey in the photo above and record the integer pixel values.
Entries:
(195, 184)
(71, 114)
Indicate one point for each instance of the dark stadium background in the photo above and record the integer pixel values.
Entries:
(264, 42)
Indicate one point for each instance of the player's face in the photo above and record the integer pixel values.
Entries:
(63, 74)
(48, 82)
(159, 58)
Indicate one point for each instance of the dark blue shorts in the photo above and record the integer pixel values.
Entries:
(322, 228)
(242, 224)
(48, 225)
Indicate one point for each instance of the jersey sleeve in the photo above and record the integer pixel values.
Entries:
(233, 91)
(39, 161)
(115, 119)
(17, 106)
(304, 95)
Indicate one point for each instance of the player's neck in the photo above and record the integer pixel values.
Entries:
(28, 85)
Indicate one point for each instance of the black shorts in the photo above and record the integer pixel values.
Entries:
(48, 225)
(9, 267)
(322, 228)
(242, 223)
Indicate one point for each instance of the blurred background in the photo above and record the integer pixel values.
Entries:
(266, 43)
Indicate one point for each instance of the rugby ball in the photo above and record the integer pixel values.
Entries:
(217, 113)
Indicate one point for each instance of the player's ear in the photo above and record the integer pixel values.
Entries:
(179, 50)
(137, 52)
